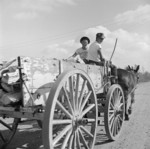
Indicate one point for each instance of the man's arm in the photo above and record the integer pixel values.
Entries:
(100, 54)
(74, 55)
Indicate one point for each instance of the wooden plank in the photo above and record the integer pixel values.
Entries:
(95, 72)
(22, 113)
(40, 74)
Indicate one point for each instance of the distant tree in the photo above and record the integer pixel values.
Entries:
(144, 77)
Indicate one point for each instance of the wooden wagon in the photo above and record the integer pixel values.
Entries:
(67, 99)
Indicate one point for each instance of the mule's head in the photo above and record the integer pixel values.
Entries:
(134, 70)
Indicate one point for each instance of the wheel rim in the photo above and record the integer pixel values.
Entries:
(9, 131)
(71, 122)
(115, 109)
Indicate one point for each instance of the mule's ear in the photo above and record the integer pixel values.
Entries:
(129, 68)
(137, 68)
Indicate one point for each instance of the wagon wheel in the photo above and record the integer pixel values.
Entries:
(70, 118)
(114, 111)
(9, 129)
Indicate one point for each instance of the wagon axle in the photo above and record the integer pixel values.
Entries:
(78, 121)
(117, 111)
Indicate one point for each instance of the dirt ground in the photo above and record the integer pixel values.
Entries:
(135, 133)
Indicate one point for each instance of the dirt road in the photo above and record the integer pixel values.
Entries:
(135, 132)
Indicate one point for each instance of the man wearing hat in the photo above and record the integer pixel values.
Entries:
(83, 51)
(94, 53)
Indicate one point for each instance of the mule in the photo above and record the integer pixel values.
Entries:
(128, 80)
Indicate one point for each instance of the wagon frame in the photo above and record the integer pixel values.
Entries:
(77, 96)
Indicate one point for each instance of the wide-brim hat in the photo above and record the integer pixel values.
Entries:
(85, 38)
(100, 35)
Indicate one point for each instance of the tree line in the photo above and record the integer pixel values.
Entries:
(144, 76)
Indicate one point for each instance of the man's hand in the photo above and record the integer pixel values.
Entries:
(103, 60)
(107, 63)
(110, 63)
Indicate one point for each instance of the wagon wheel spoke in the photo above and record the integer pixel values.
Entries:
(67, 99)
(7, 135)
(112, 122)
(71, 87)
(83, 139)
(6, 125)
(3, 139)
(111, 111)
(60, 122)
(78, 140)
(112, 105)
(117, 94)
(64, 109)
(64, 145)
(120, 106)
(115, 127)
(120, 118)
(61, 134)
(9, 129)
(87, 110)
(119, 97)
(86, 131)
(70, 142)
(75, 141)
(85, 100)
(112, 126)
(111, 116)
(77, 92)
(118, 124)
(82, 93)
(113, 98)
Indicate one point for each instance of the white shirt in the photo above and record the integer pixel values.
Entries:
(82, 53)
(92, 52)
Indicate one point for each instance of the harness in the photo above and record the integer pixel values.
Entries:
(133, 89)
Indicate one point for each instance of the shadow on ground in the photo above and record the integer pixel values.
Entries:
(102, 139)
(28, 136)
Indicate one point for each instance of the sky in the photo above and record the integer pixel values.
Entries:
(53, 28)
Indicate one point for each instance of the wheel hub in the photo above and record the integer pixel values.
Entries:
(116, 110)
(78, 121)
